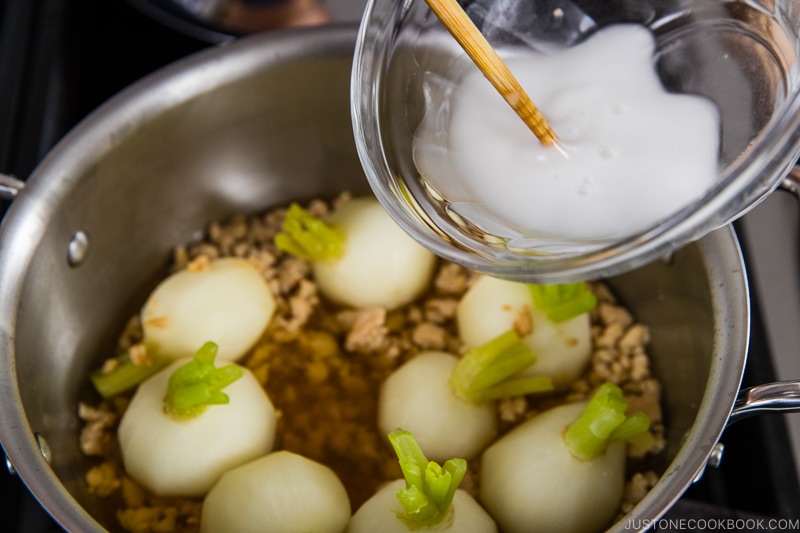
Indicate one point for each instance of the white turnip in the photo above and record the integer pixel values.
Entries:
(562, 470)
(428, 500)
(227, 300)
(552, 320)
(418, 396)
(360, 257)
(448, 402)
(181, 432)
(282, 493)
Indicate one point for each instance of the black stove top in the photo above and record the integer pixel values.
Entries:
(60, 59)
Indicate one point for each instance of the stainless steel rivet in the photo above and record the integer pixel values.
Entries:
(10, 467)
(10, 186)
(44, 448)
(78, 248)
(715, 458)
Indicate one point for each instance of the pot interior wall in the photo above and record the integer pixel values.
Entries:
(674, 299)
(261, 140)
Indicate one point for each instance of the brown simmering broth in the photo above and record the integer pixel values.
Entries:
(322, 367)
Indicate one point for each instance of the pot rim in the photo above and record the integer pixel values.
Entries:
(731, 342)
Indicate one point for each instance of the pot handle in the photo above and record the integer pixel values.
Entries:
(782, 396)
(10, 186)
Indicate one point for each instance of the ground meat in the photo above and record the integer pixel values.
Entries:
(452, 279)
(609, 313)
(97, 432)
(637, 488)
(302, 303)
(367, 331)
(198, 264)
(440, 310)
(291, 272)
(138, 354)
(103, 479)
(429, 336)
(322, 367)
(512, 410)
(165, 518)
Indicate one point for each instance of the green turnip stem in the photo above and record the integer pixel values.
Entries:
(198, 384)
(482, 374)
(517, 387)
(633, 425)
(308, 237)
(429, 487)
(641, 441)
(125, 375)
(563, 301)
(602, 421)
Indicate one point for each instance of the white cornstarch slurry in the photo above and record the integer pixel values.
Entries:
(631, 153)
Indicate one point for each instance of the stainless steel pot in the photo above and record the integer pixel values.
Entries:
(253, 124)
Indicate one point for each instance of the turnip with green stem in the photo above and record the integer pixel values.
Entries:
(226, 299)
(428, 499)
(360, 257)
(282, 493)
(552, 319)
(564, 469)
(448, 403)
(193, 421)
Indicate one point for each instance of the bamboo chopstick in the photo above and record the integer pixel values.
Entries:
(486, 59)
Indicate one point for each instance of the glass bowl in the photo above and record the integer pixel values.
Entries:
(742, 55)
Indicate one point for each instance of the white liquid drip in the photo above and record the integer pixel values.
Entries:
(633, 153)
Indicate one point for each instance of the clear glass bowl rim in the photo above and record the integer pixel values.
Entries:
(745, 183)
